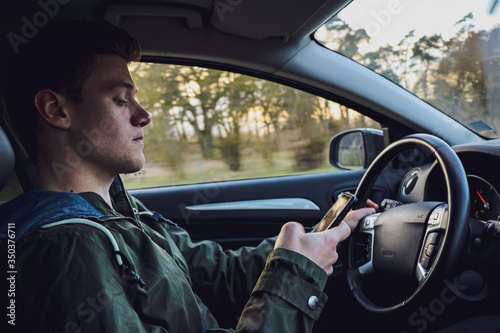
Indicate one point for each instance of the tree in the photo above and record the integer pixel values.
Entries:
(347, 41)
(381, 61)
(427, 51)
(462, 72)
(239, 98)
(270, 97)
(404, 51)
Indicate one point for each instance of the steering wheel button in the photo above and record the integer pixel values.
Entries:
(313, 302)
(369, 222)
(429, 250)
(425, 261)
(432, 238)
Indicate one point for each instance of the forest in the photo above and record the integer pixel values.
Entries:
(210, 125)
(460, 75)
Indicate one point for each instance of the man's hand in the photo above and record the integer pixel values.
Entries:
(354, 216)
(321, 247)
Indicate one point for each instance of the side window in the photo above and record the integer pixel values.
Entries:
(210, 125)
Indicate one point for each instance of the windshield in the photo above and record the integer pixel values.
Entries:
(445, 52)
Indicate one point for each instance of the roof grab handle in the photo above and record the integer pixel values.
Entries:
(194, 19)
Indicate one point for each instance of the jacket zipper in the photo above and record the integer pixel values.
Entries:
(133, 210)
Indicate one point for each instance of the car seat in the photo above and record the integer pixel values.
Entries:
(7, 159)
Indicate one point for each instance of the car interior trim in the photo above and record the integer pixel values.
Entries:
(266, 204)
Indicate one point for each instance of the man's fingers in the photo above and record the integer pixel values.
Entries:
(354, 216)
(371, 204)
(340, 232)
(289, 235)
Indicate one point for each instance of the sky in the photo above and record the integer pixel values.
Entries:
(393, 19)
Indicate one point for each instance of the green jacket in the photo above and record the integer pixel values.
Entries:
(67, 280)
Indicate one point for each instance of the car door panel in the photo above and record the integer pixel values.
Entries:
(236, 227)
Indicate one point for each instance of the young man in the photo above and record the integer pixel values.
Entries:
(112, 265)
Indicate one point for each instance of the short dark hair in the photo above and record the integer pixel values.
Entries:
(60, 58)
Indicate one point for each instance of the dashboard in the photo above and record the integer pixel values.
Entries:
(484, 199)
(423, 180)
(481, 163)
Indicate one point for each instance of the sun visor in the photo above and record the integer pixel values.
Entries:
(258, 19)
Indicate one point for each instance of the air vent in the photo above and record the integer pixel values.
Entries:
(409, 182)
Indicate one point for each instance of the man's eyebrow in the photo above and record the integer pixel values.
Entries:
(122, 84)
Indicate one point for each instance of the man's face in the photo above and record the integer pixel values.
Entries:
(107, 125)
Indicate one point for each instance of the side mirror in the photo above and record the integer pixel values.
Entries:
(356, 149)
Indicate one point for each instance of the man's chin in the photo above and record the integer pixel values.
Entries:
(132, 167)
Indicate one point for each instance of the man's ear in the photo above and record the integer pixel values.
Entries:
(50, 106)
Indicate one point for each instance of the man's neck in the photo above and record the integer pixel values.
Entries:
(58, 177)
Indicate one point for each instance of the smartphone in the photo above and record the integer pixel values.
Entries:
(337, 212)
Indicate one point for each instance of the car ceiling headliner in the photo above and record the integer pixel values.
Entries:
(264, 33)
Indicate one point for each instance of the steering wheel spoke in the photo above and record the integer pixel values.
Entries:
(364, 259)
(432, 244)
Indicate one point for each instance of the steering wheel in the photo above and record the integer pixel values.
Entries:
(423, 239)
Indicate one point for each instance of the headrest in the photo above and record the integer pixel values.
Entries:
(7, 159)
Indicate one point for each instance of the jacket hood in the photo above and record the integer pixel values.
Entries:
(36, 208)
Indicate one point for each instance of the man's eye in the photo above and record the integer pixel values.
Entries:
(120, 102)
